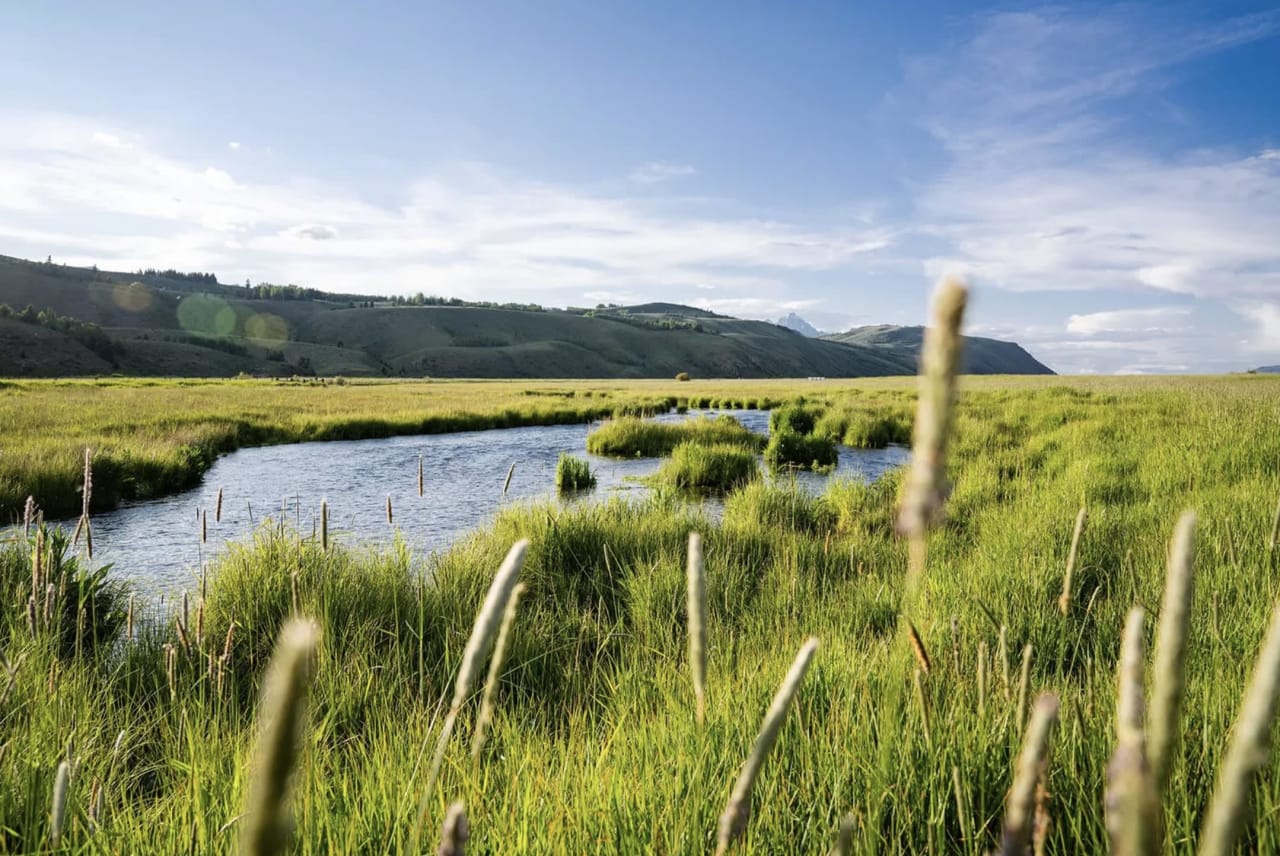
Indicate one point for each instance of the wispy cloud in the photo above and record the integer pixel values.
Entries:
(88, 193)
(654, 172)
(1160, 321)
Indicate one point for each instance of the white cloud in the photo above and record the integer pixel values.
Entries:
(467, 230)
(234, 146)
(1160, 321)
(1047, 188)
(657, 171)
(1266, 318)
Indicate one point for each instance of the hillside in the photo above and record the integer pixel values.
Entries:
(981, 355)
(792, 321)
(166, 323)
(1268, 369)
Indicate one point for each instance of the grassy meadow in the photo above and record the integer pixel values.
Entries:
(595, 745)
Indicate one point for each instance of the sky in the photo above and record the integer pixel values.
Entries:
(1106, 176)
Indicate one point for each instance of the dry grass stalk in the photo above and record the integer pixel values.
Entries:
(507, 484)
(1132, 807)
(1275, 531)
(485, 716)
(391, 520)
(1024, 687)
(1002, 654)
(1169, 682)
(455, 832)
(29, 516)
(421, 483)
(128, 620)
(1019, 813)
(1064, 602)
(917, 647)
(170, 665)
(217, 508)
(204, 527)
(927, 488)
(324, 525)
(982, 679)
(1247, 751)
(844, 838)
(58, 816)
(267, 823)
(733, 821)
(697, 611)
(478, 645)
(962, 808)
(918, 680)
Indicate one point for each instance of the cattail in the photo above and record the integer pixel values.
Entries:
(733, 821)
(391, 520)
(1247, 751)
(29, 516)
(1064, 602)
(217, 508)
(917, 646)
(324, 525)
(87, 498)
(926, 487)
(924, 709)
(478, 645)
(204, 527)
(1002, 654)
(226, 643)
(33, 616)
(61, 783)
(1024, 685)
(95, 804)
(421, 483)
(1019, 812)
(982, 679)
(37, 562)
(962, 810)
(200, 624)
(170, 664)
(697, 608)
(454, 833)
(844, 838)
(495, 669)
(1133, 809)
(268, 826)
(1171, 652)
(506, 484)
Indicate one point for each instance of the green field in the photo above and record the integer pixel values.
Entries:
(595, 746)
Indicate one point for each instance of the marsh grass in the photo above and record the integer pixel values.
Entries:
(573, 474)
(694, 466)
(639, 438)
(593, 746)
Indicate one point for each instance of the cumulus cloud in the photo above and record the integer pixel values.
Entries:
(468, 229)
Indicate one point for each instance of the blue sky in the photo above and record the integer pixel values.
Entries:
(1108, 177)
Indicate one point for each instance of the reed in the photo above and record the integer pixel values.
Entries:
(1064, 602)
(422, 484)
(61, 788)
(217, 508)
(391, 519)
(733, 821)
(573, 474)
(506, 484)
(696, 606)
(1132, 805)
(324, 525)
(485, 716)
(1247, 751)
(267, 825)
(1169, 682)
(454, 832)
(479, 643)
(1019, 813)
(926, 487)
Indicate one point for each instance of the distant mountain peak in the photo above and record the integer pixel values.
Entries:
(792, 321)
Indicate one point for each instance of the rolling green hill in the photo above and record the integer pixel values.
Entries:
(166, 323)
(981, 355)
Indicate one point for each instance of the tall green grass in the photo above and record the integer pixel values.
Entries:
(595, 745)
(639, 438)
(696, 466)
(573, 474)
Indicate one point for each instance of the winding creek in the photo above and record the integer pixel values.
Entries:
(156, 544)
